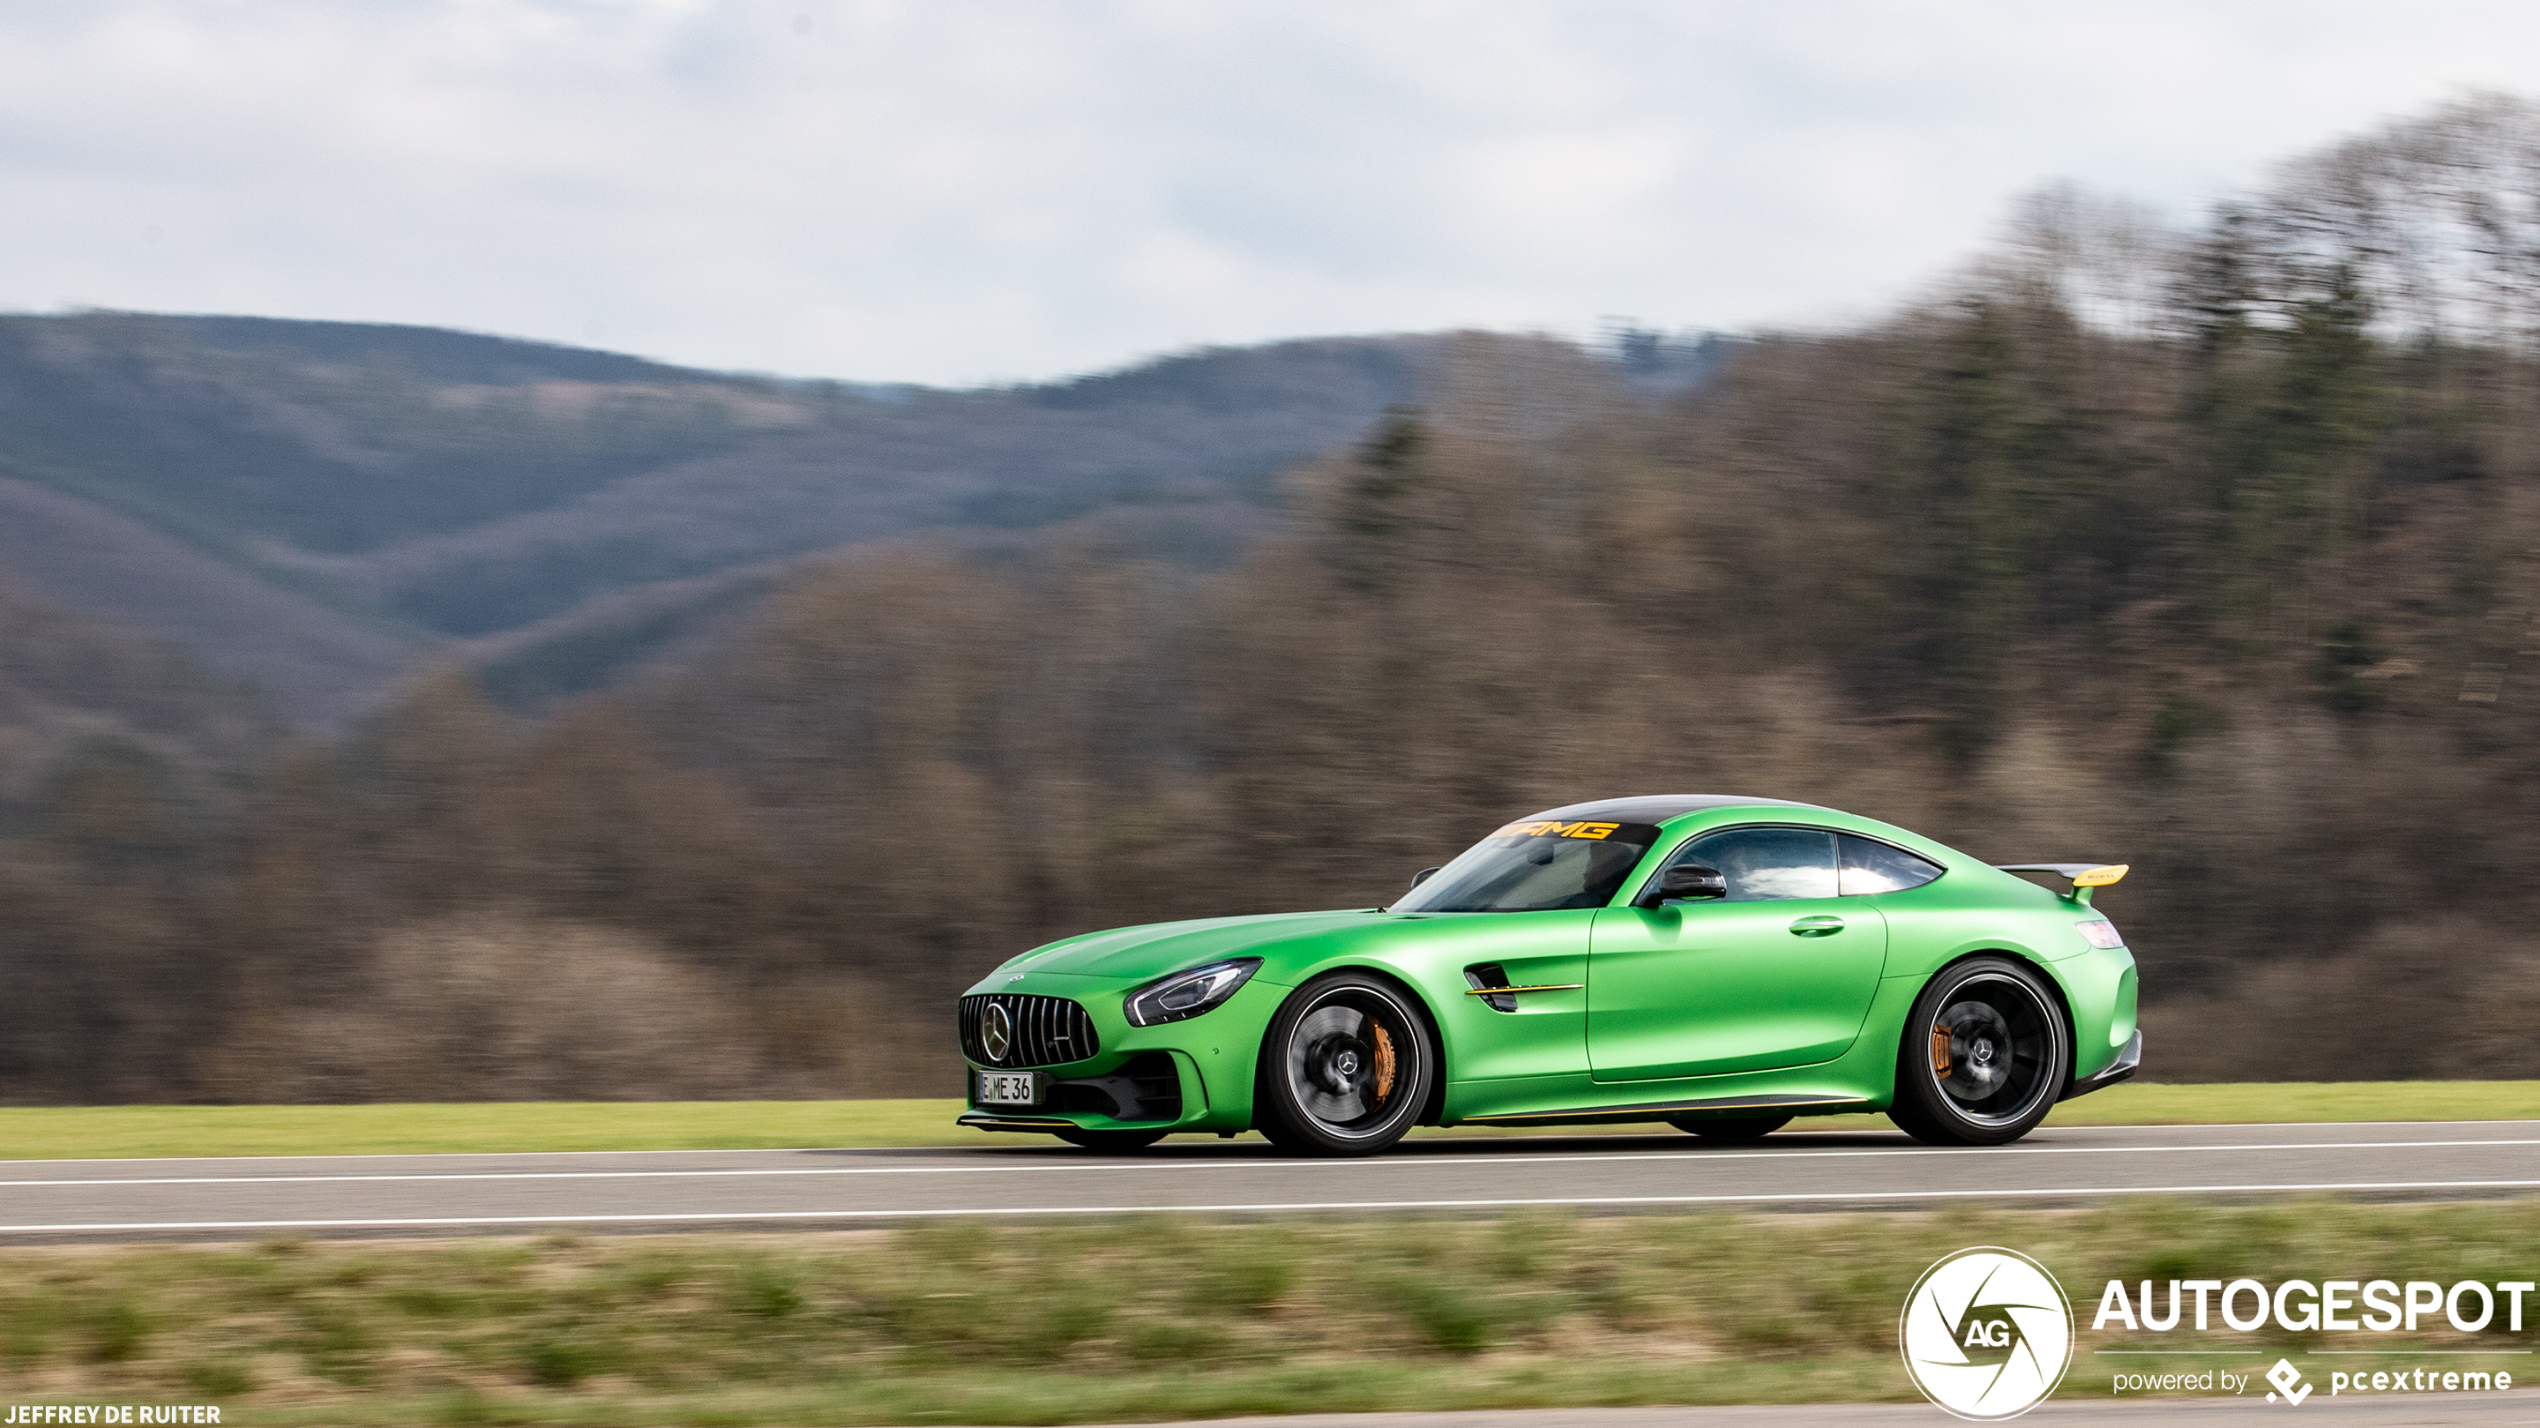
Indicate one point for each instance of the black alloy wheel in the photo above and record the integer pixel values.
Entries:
(1345, 1069)
(1111, 1142)
(1985, 1057)
(1730, 1128)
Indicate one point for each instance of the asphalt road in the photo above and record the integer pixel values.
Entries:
(360, 1196)
(2492, 1410)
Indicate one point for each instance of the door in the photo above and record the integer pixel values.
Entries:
(1778, 973)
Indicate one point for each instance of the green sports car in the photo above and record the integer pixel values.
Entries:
(1720, 964)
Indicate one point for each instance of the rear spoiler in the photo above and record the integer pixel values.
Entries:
(2085, 877)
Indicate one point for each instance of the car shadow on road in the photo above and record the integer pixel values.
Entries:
(1248, 1147)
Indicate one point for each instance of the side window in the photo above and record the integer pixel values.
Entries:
(1768, 864)
(1870, 866)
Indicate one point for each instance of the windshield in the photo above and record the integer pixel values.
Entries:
(1535, 866)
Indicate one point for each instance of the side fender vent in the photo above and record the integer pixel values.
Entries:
(1482, 976)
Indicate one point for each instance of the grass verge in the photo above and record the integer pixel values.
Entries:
(117, 1132)
(2137, 1103)
(120, 1132)
(1140, 1319)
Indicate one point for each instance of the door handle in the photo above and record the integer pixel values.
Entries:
(1819, 926)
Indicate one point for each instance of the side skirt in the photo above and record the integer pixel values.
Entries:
(1661, 1110)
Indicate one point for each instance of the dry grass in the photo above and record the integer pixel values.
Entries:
(1133, 1319)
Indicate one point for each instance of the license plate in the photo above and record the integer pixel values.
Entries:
(1009, 1088)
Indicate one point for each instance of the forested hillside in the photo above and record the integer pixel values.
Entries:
(2214, 551)
(311, 507)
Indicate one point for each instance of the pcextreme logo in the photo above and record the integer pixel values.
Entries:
(1987, 1333)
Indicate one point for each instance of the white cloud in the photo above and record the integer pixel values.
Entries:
(959, 190)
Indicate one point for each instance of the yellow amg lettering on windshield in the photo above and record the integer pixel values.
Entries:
(1545, 828)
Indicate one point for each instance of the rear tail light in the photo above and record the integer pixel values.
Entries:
(2099, 932)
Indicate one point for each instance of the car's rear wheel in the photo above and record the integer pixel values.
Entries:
(1985, 1056)
(1345, 1068)
(1111, 1142)
(1730, 1127)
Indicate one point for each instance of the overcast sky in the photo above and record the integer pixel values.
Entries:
(957, 191)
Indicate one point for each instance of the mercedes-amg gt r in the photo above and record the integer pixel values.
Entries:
(1720, 964)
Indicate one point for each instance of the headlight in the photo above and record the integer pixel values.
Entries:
(2099, 932)
(1187, 994)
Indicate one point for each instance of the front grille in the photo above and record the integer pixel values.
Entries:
(1041, 1031)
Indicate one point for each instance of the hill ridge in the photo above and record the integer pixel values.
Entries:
(310, 506)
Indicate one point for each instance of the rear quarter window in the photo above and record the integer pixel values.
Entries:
(1870, 866)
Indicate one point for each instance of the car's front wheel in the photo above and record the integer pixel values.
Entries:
(1985, 1055)
(1345, 1068)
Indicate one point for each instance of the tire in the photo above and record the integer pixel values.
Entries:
(1110, 1142)
(1986, 1055)
(1730, 1128)
(1346, 1067)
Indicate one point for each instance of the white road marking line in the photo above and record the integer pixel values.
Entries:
(1689, 1156)
(1260, 1207)
(2275, 1125)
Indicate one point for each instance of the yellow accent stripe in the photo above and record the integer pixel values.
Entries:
(1495, 991)
(2101, 877)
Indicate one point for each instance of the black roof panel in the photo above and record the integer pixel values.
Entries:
(1658, 808)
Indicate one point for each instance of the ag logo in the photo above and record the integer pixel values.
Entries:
(996, 1032)
(1987, 1333)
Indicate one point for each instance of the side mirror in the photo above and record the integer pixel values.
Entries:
(1689, 882)
(1424, 875)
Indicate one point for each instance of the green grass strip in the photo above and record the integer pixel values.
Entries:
(119, 1132)
(2137, 1103)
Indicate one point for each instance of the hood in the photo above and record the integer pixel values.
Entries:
(1161, 947)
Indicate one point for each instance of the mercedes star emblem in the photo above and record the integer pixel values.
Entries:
(996, 1032)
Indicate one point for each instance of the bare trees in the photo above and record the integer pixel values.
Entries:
(2210, 550)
